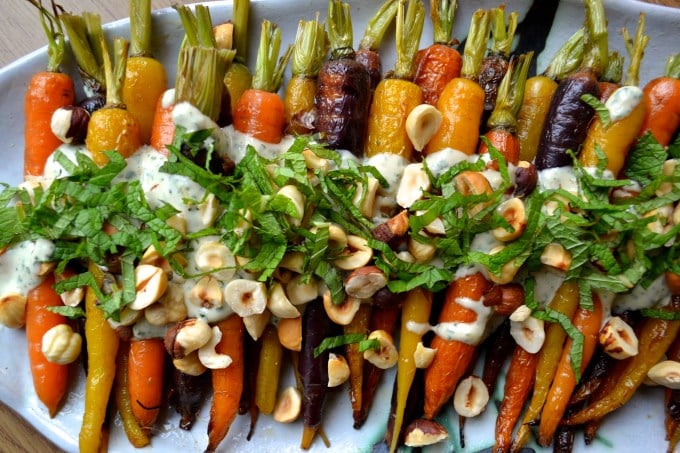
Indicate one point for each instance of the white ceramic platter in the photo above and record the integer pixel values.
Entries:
(637, 427)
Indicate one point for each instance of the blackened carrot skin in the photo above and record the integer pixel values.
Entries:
(370, 59)
(343, 100)
(566, 125)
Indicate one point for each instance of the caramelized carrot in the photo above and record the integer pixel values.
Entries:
(518, 384)
(145, 379)
(145, 79)
(46, 92)
(49, 379)
(396, 97)
(355, 358)
(453, 355)
(662, 103)
(135, 433)
(462, 100)
(163, 128)
(439, 63)
(588, 323)
(227, 383)
(260, 111)
(367, 54)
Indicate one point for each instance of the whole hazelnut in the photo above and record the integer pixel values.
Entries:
(526, 178)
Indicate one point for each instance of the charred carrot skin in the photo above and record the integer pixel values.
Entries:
(453, 357)
(355, 358)
(343, 95)
(187, 394)
(368, 52)
(313, 370)
(50, 380)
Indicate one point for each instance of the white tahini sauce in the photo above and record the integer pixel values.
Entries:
(470, 333)
(623, 101)
(20, 265)
(656, 294)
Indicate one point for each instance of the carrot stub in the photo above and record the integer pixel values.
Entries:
(145, 379)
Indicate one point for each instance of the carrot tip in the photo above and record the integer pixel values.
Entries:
(308, 434)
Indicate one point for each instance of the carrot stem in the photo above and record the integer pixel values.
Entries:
(409, 29)
(475, 46)
(140, 28)
(378, 25)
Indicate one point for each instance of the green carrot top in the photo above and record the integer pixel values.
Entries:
(673, 66)
(475, 46)
(568, 58)
(268, 74)
(140, 28)
(240, 19)
(614, 70)
(56, 45)
(409, 29)
(596, 38)
(511, 93)
(636, 50)
(340, 30)
(85, 34)
(115, 72)
(311, 46)
(442, 13)
(502, 33)
(378, 25)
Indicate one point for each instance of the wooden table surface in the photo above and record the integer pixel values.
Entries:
(20, 35)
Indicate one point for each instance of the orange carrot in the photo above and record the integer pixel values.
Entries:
(259, 111)
(462, 100)
(662, 102)
(145, 379)
(49, 379)
(163, 128)
(439, 63)
(47, 91)
(518, 384)
(227, 382)
(588, 323)
(454, 356)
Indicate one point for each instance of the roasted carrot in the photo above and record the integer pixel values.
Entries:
(268, 371)
(627, 109)
(238, 77)
(162, 127)
(382, 318)
(415, 312)
(135, 434)
(112, 127)
(46, 92)
(50, 380)
(439, 63)
(518, 384)
(588, 323)
(308, 54)
(186, 395)
(343, 93)
(656, 336)
(145, 79)
(368, 52)
(355, 358)
(102, 347)
(455, 353)
(502, 123)
(566, 125)
(498, 347)
(462, 100)
(662, 103)
(495, 64)
(313, 370)
(227, 382)
(565, 301)
(538, 92)
(145, 379)
(260, 111)
(395, 97)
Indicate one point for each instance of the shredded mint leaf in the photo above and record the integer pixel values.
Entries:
(660, 314)
(69, 312)
(599, 107)
(645, 160)
(342, 340)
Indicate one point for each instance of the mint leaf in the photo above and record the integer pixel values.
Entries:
(600, 109)
(645, 160)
